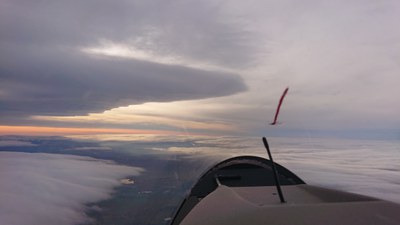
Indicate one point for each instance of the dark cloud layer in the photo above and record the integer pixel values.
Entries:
(61, 83)
(193, 29)
(43, 72)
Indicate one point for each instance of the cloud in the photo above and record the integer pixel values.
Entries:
(338, 58)
(173, 28)
(184, 116)
(130, 51)
(40, 188)
(367, 167)
(46, 72)
(76, 84)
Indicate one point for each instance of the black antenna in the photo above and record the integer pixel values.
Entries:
(277, 183)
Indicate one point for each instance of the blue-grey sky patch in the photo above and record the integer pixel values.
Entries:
(13, 143)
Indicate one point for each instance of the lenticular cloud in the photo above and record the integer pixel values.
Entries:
(37, 188)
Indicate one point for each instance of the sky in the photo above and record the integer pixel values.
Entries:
(199, 67)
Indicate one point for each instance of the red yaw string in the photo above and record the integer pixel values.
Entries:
(279, 106)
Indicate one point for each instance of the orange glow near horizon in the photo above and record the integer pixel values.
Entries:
(41, 131)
